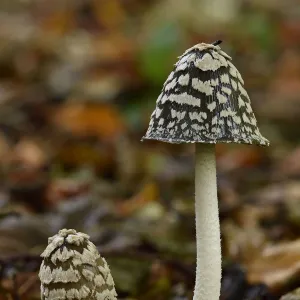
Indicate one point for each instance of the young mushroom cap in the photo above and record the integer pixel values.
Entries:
(204, 101)
(72, 268)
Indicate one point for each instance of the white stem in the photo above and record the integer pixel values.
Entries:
(208, 272)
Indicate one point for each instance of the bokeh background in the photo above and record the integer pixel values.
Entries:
(78, 82)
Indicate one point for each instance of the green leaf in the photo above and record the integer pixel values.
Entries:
(160, 52)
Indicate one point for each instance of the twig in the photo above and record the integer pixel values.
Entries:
(15, 292)
(27, 284)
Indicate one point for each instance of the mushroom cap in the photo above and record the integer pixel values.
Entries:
(204, 101)
(72, 268)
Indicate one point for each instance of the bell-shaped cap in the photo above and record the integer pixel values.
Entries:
(204, 101)
(72, 268)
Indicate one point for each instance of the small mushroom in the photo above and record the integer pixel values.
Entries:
(73, 269)
(204, 101)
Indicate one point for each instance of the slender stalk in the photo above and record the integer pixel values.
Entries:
(208, 272)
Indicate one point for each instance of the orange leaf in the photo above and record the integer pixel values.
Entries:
(148, 193)
(242, 156)
(109, 13)
(100, 120)
(58, 20)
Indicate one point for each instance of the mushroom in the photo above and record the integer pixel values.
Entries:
(204, 101)
(73, 269)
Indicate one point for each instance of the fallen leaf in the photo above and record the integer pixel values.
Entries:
(148, 193)
(294, 295)
(56, 18)
(77, 152)
(242, 244)
(276, 266)
(289, 164)
(97, 120)
(240, 157)
(28, 153)
(111, 14)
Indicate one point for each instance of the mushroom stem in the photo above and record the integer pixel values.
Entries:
(208, 272)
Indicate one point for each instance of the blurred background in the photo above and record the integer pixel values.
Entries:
(78, 82)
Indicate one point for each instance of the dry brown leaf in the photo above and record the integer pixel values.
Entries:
(289, 165)
(27, 283)
(57, 20)
(64, 189)
(294, 295)
(26, 175)
(283, 91)
(242, 244)
(28, 153)
(148, 193)
(289, 32)
(281, 192)
(110, 14)
(78, 152)
(270, 195)
(103, 85)
(276, 266)
(114, 48)
(98, 120)
(10, 245)
(240, 157)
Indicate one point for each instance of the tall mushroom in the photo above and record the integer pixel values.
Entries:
(204, 101)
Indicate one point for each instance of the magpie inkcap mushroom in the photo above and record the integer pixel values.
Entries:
(72, 268)
(203, 101)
